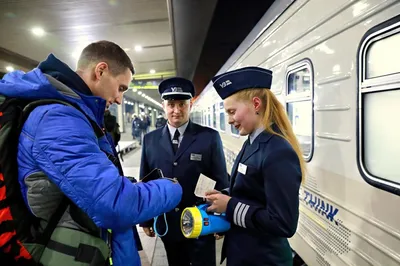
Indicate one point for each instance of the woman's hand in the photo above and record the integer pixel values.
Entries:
(211, 192)
(218, 202)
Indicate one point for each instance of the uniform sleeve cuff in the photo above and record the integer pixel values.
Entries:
(225, 191)
(238, 212)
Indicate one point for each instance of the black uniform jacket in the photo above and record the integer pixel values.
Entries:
(200, 151)
(264, 208)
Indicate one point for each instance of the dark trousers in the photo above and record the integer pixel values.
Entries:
(191, 252)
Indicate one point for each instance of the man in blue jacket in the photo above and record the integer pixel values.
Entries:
(59, 153)
(184, 150)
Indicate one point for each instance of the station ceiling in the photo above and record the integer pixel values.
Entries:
(164, 38)
(201, 53)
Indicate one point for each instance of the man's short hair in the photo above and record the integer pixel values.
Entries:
(105, 51)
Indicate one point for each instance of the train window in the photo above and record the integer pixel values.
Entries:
(383, 57)
(379, 97)
(222, 126)
(299, 104)
(222, 121)
(198, 117)
(299, 81)
(215, 116)
(234, 131)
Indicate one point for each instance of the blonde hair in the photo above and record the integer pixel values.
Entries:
(273, 112)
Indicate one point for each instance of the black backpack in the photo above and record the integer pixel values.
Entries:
(16, 221)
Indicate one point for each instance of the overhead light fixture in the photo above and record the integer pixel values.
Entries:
(140, 92)
(152, 71)
(126, 49)
(77, 52)
(138, 48)
(76, 55)
(134, 90)
(38, 31)
(9, 68)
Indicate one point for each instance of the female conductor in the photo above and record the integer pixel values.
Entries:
(262, 202)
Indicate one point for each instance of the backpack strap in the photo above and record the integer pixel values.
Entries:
(65, 202)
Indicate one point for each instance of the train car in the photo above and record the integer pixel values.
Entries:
(336, 68)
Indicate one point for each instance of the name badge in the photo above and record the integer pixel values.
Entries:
(195, 157)
(242, 168)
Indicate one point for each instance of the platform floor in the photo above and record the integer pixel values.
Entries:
(153, 253)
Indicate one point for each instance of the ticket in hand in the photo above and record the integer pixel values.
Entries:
(204, 184)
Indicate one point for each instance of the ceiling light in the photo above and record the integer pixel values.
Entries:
(152, 71)
(38, 31)
(126, 49)
(77, 52)
(139, 92)
(134, 90)
(9, 68)
(75, 55)
(138, 48)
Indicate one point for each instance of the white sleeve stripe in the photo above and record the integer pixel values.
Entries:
(243, 220)
(238, 213)
(242, 206)
(235, 220)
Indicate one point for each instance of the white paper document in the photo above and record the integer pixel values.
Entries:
(204, 184)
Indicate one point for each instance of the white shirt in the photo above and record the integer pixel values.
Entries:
(181, 129)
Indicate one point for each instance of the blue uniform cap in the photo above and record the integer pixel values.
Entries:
(234, 81)
(176, 89)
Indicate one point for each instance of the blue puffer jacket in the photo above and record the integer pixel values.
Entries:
(59, 141)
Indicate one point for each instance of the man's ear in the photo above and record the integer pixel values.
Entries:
(99, 69)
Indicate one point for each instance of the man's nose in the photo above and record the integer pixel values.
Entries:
(118, 100)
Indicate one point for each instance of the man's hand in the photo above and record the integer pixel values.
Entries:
(149, 231)
(218, 237)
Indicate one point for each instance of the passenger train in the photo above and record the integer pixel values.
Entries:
(336, 69)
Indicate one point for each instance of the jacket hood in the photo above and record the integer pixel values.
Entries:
(34, 85)
(61, 71)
